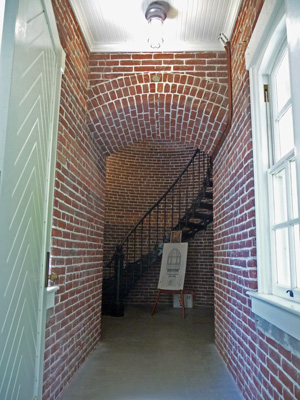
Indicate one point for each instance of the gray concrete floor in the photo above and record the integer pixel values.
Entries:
(160, 357)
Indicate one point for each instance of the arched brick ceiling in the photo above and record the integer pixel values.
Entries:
(184, 108)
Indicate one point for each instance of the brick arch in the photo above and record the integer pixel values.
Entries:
(188, 109)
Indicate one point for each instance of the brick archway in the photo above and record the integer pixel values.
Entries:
(184, 108)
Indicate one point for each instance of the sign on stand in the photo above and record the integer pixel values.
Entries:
(172, 272)
(173, 265)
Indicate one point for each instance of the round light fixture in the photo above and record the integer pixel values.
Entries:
(155, 14)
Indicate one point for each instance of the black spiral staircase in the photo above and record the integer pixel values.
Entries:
(185, 206)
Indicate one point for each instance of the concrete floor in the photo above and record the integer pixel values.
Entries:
(160, 357)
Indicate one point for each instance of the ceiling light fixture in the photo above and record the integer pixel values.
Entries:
(155, 14)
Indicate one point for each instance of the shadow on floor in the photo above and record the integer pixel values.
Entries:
(160, 357)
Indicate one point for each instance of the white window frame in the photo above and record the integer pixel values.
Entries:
(279, 19)
(281, 162)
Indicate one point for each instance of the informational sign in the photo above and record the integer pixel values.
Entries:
(176, 236)
(173, 266)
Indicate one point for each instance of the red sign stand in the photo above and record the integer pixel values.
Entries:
(169, 292)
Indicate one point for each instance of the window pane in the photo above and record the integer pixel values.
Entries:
(279, 192)
(282, 257)
(297, 253)
(285, 133)
(294, 194)
(282, 81)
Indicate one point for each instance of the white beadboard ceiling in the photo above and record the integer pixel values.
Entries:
(120, 25)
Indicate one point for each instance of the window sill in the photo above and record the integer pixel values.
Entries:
(281, 313)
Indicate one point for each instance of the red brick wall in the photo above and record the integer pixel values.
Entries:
(73, 330)
(111, 66)
(262, 367)
(136, 177)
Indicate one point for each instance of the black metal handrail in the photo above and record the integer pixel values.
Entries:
(162, 197)
(203, 162)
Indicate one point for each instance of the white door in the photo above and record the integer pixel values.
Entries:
(30, 60)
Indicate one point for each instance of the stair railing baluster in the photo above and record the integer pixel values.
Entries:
(193, 180)
(134, 254)
(172, 211)
(157, 218)
(179, 211)
(134, 243)
(199, 179)
(127, 259)
(204, 173)
(186, 190)
(186, 196)
(142, 228)
(165, 218)
(200, 169)
(149, 238)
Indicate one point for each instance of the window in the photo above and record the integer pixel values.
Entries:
(271, 58)
(282, 185)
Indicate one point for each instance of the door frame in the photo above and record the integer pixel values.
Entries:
(50, 17)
